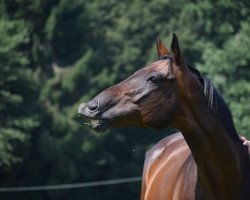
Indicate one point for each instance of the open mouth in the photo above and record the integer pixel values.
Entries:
(99, 125)
(94, 121)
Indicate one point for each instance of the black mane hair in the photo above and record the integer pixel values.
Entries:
(216, 102)
(213, 99)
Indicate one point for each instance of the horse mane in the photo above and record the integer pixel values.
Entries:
(216, 102)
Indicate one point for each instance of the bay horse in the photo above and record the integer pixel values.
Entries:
(206, 160)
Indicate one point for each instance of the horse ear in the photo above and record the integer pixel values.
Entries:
(161, 48)
(176, 51)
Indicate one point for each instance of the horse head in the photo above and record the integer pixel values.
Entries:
(149, 98)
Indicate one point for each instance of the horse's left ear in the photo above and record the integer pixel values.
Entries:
(176, 51)
(161, 48)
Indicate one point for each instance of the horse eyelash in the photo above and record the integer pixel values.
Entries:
(155, 79)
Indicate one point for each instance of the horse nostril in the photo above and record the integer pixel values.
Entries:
(93, 104)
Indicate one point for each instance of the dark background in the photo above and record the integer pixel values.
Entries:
(56, 54)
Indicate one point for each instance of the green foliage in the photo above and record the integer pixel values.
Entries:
(228, 66)
(18, 92)
(55, 54)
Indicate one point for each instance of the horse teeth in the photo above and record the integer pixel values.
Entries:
(94, 121)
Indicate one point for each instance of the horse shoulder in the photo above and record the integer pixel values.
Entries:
(168, 165)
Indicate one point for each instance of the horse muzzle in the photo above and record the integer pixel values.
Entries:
(90, 111)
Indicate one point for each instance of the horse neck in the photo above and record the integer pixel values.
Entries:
(217, 156)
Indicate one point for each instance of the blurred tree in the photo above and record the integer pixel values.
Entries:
(55, 54)
(18, 93)
(228, 66)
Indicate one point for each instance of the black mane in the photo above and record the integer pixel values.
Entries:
(216, 102)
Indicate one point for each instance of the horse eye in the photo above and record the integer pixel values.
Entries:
(155, 79)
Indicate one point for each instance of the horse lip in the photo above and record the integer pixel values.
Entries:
(81, 108)
(100, 124)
